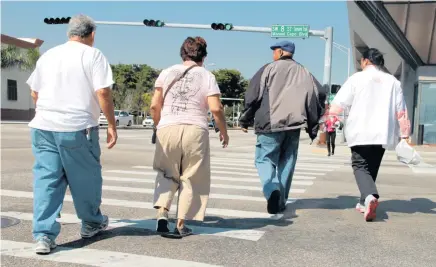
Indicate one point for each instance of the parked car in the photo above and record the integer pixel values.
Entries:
(122, 118)
(148, 122)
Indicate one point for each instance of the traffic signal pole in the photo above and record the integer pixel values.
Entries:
(204, 27)
(327, 34)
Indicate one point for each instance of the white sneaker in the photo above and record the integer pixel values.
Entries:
(44, 245)
(360, 208)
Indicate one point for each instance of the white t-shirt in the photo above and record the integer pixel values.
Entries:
(374, 98)
(66, 78)
(186, 102)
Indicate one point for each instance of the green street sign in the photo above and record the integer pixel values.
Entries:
(290, 31)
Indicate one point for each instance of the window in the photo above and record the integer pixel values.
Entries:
(12, 90)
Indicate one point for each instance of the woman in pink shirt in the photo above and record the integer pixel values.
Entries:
(184, 93)
(330, 128)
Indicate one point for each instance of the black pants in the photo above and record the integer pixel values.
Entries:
(331, 137)
(153, 137)
(366, 161)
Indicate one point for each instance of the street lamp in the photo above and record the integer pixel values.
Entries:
(346, 50)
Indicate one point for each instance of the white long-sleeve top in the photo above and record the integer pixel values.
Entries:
(378, 112)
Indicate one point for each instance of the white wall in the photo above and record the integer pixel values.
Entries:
(24, 100)
(360, 24)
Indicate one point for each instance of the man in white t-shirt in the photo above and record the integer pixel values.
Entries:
(70, 84)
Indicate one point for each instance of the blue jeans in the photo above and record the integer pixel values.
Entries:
(62, 159)
(276, 155)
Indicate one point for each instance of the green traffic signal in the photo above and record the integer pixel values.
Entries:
(221, 26)
(153, 23)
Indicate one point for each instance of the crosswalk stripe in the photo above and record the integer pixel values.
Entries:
(241, 158)
(226, 162)
(92, 257)
(211, 195)
(149, 206)
(219, 172)
(213, 176)
(150, 224)
(226, 186)
(243, 170)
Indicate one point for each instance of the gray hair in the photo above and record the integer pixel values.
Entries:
(81, 26)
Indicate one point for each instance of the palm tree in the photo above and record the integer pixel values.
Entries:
(11, 56)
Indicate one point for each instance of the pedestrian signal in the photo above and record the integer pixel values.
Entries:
(57, 20)
(153, 23)
(222, 26)
(335, 88)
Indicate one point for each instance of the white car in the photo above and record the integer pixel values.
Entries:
(148, 122)
(122, 118)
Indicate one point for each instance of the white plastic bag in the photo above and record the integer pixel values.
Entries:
(407, 154)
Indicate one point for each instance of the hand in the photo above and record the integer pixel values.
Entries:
(224, 138)
(111, 136)
(245, 130)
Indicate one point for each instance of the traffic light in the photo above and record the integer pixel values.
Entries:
(335, 88)
(153, 23)
(57, 20)
(222, 26)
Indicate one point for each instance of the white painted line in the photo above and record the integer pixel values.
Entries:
(213, 185)
(296, 174)
(92, 257)
(226, 162)
(149, 206)
(225, 172)
(211, 195)
(220, 178)
(225, 156)
(150, 224)
(154, 173)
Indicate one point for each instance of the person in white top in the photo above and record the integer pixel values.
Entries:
(183, 95)
(70, 84)
(377, 119)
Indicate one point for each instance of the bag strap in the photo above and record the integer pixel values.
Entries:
(176, 80)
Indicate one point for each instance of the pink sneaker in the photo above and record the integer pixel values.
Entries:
(371, 207)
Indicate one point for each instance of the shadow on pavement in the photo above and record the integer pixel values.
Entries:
(414, 205)
(215, 225)
(107, 234)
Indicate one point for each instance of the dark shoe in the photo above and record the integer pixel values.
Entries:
(162, 225)
(273, 206)
(89, 230)
(178, 233)
(329, 155)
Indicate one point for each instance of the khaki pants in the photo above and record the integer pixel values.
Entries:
(182, 162)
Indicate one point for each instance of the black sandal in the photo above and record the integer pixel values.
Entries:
(178, 233)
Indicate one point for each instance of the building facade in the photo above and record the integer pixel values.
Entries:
(16, 102)
(405, 32)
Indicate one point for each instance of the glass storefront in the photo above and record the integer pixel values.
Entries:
(427, 113)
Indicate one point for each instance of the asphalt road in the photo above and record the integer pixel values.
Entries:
(319, 228)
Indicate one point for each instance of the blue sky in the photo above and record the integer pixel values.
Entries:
(159, 47)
